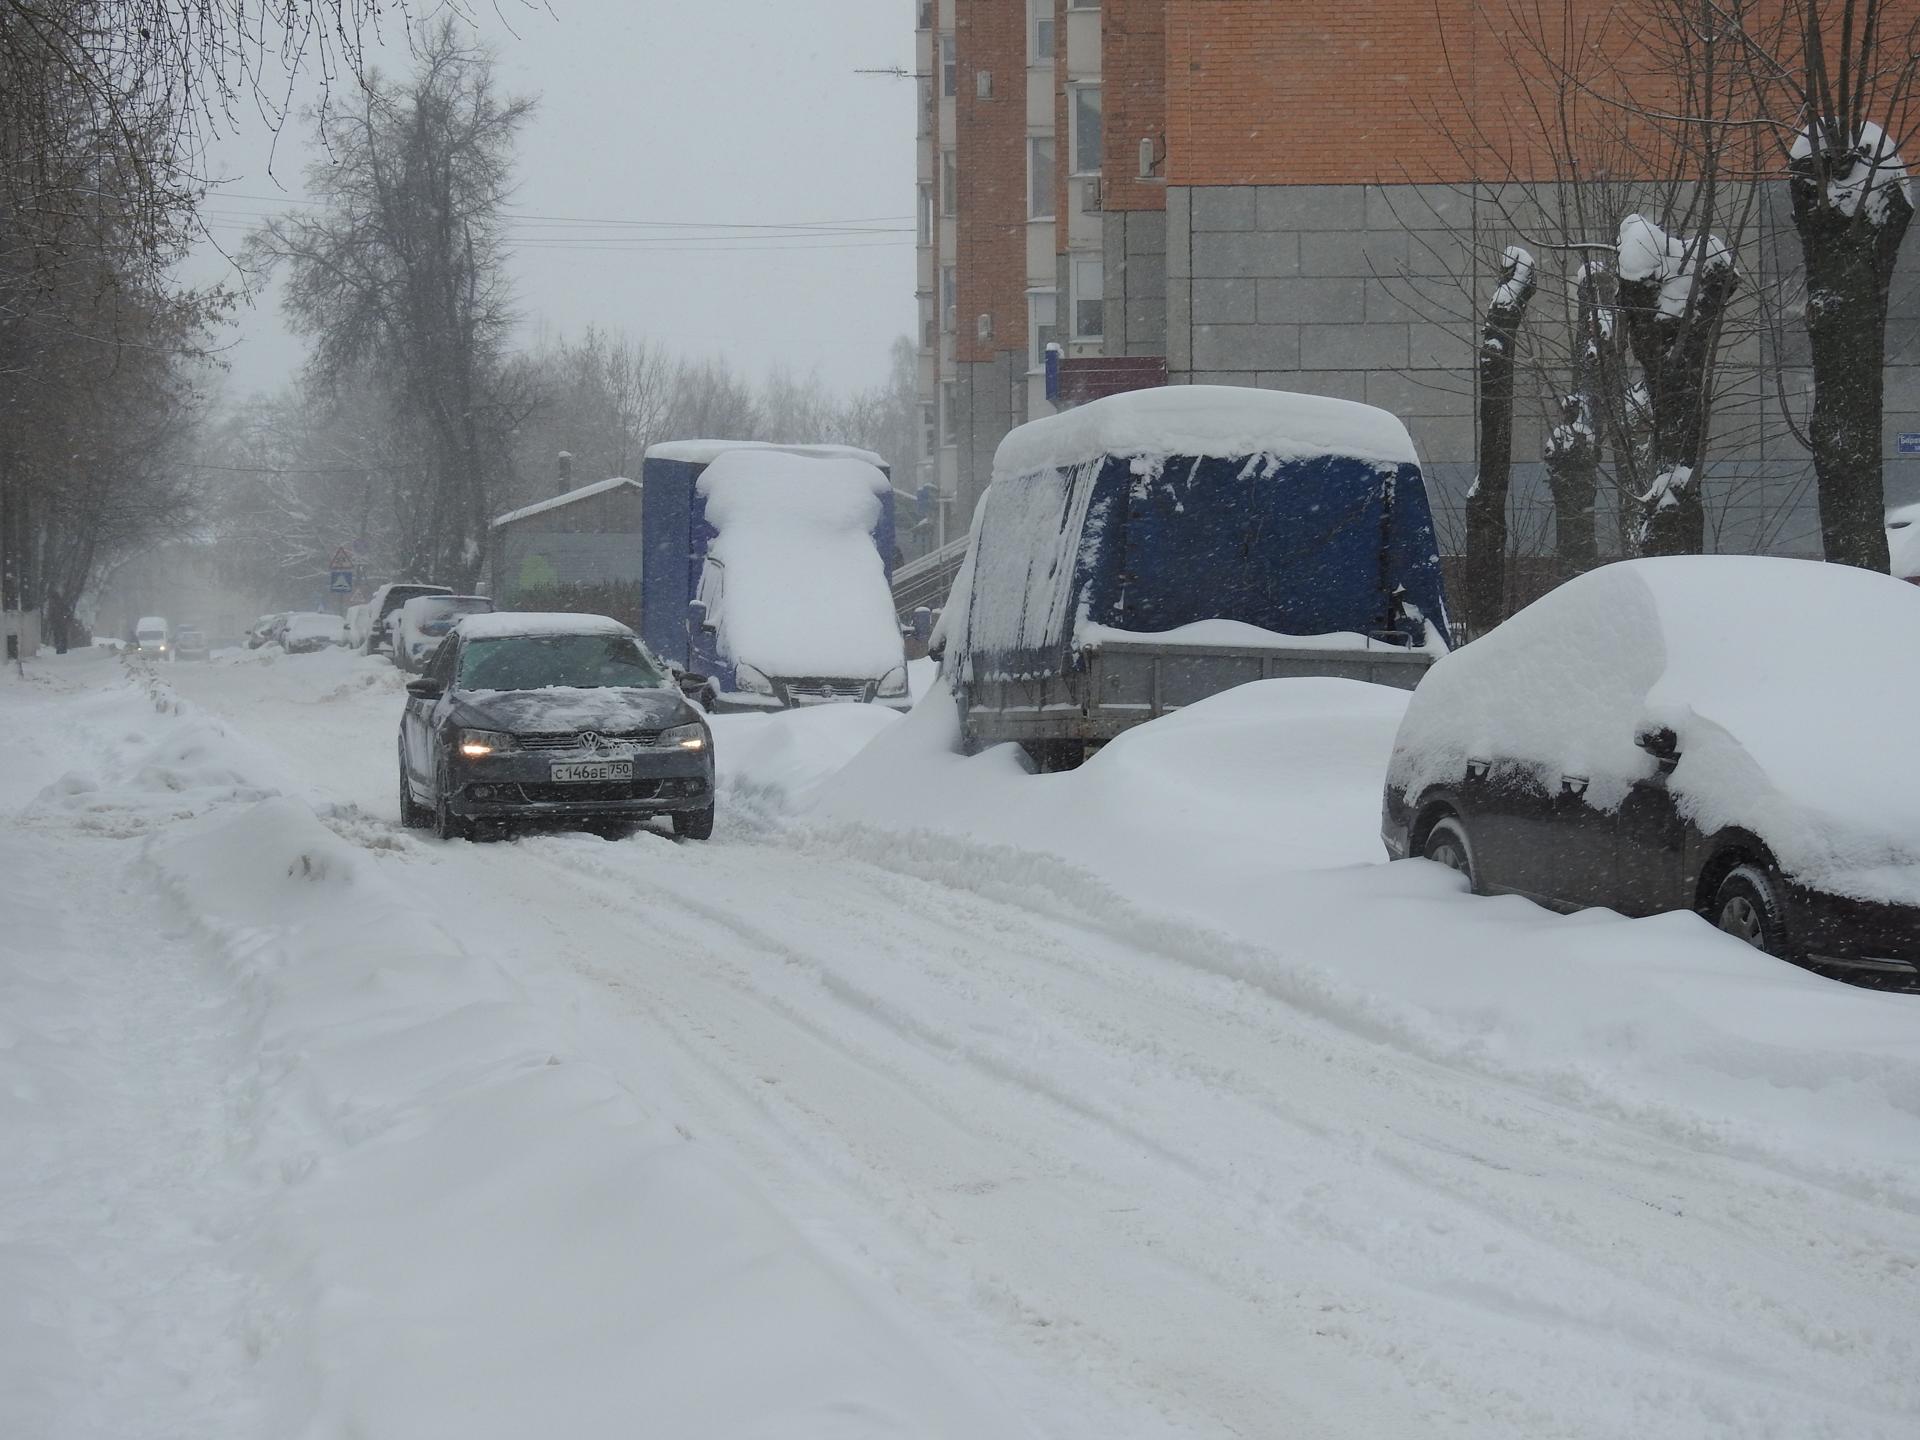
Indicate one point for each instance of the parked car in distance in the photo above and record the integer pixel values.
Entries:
(191, 644)
(1729, 735)
(310, 630)
(357, 623)
(423, 622)
(531, 717)
(381, 609)
(152, 635)
(266, 630)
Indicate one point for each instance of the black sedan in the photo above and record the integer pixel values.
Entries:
(531, 718)
(1617, 744)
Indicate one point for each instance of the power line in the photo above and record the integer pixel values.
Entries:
(519, 216)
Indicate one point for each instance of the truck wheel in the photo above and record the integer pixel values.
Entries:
(693, 824)
(1747, 905)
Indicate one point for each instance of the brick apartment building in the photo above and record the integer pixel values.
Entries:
(1253, 192)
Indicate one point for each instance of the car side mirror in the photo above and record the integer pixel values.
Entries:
(690, 683)
(425, 689)
(1661, 743)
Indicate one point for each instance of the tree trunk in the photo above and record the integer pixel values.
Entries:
(1486, 557)
(1849, 261)
(1573, 447)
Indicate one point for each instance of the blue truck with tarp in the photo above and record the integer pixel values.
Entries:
(1142, 552)
(767, 570)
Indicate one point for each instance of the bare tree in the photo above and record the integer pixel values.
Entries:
(1487, 500)
(403, 271)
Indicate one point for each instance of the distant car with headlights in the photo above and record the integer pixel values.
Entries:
(191, 644)
(423, 622)
(528, 718)
(310, 630)
(1718, 733)
(152, 635)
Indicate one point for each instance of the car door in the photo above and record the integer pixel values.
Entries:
(1575, 852)
(1650, 851)
(1504, 808)
(423, 715)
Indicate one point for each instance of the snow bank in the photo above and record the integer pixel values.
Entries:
(804, 592)
(1241, 837)
(1791, 685)
(1221, 421)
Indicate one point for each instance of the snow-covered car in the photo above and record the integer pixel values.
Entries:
(532, 717)
(1729, 735)
(423, 622)
(191, 644)
(385, 603)
(357, 622)
(309, 630)
(266, 630)
(152, 635)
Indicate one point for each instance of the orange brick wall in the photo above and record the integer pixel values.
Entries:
(991, 157)
(1133, 82)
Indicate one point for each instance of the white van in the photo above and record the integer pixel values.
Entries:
(153, 636)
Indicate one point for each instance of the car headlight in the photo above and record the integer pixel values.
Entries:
(478, 744)
(751, 680)
(894, 682)
(687, 737)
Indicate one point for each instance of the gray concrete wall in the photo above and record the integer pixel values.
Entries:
(1369, 293)
(1135, 269)
(992, 398)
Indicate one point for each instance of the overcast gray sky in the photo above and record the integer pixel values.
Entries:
(702, 113)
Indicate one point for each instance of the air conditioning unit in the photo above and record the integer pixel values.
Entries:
(983, 84)
(983, 328)
(1090, 195)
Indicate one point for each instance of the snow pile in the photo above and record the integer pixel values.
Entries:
(1221, 421)
(1649, 253)
(1791, 685)
(1872, 172)
(778, 762)
(803, 592)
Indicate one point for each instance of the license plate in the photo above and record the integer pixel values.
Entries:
(589, 770)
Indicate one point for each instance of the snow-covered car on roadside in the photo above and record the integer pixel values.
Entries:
(266, 630)
(191, 644)
(152, 635)
(1729, 735)
(423, 622)
(308, 630)
(533, 717)
(357, 622)
(384, 605)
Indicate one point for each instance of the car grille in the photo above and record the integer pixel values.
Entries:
(570, 740)
(818, 691)
(537, 793)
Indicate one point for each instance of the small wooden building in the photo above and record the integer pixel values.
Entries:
(579, 552)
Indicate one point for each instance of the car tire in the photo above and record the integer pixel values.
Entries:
(413, 815)
(446, 824)
(1447, 844)
(693, 824)
(1747, 906)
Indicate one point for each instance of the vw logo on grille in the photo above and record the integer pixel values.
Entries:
(593, 740)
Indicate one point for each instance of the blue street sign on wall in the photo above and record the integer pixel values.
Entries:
(1910, 442)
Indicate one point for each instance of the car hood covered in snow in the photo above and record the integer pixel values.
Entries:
(1793, 687)
(614, 708)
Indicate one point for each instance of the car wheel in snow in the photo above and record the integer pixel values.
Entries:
(413, 815)
(1747, 906)
(1447, 845)
(693, 824)
(446, 824)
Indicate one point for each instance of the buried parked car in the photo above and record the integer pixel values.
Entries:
(1730, 735)
(310, 630)
(550, 717)
(191, 644)
(422, 623)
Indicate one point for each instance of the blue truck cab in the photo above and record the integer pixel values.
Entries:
(1146, 550)
(768, 569)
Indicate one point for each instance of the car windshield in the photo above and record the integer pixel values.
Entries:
(541, 662)
(434, 616)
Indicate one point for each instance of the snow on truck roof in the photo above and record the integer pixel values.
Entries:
(502, 624)
(1223, 421)
(598, 487)
(705, 452)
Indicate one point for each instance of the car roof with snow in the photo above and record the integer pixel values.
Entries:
(1208, 421)
(502, 624)
(1792, 686)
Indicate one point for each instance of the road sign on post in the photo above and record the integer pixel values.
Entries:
(342, 558)
(340, 582)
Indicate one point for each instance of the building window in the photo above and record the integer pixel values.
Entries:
(1040, 177)
(926, 14)
(929, 427)
(949, 298)
(949, 67)
(949, 413)
(1083, 4)
(1040, 32)
(926, 213)
(929, 331)
(1089, 298)
(1086, 130)
(949, 184)
(1043, 326)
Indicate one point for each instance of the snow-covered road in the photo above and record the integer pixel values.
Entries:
(1094, 1157)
